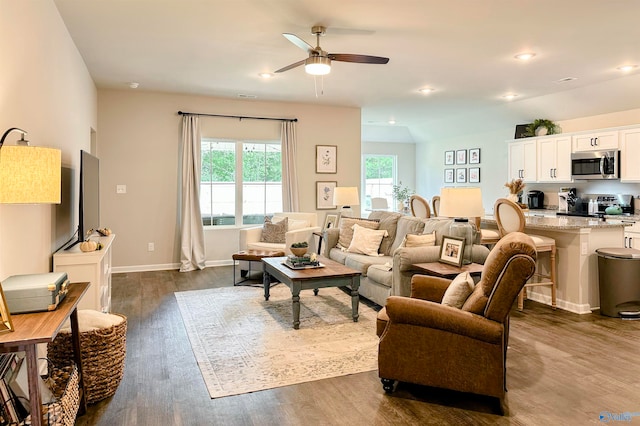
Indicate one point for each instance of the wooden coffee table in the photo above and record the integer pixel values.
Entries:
(444, 270)
(333, 274)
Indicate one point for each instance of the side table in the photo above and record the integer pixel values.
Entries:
(42, 327)
(444, 270)
(251, 256)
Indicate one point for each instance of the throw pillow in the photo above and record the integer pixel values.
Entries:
(274, 232)
(346, 229)
(458, 291)
(424, 240)
(366, 241)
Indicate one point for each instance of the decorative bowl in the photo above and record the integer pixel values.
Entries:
(299, 251)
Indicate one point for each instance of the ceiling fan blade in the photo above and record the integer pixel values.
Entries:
(299, 42)
(361, 59)
(288, 67)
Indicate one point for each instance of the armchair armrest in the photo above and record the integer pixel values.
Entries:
(426, 287)
(330, 237)
(423, 313)
(249, 235)
(403, 260)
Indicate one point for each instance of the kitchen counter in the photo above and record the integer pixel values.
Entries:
(577, 239)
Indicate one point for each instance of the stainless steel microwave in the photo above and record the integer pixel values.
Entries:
(595, 165)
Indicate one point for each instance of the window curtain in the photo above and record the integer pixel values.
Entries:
(290, 202)
(192, 255)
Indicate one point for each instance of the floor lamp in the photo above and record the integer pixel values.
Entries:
(346, 196)
(462, 203)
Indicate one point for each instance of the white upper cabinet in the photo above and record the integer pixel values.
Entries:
(554, 159)
(630, 156)
(597, 141)
(522, 160)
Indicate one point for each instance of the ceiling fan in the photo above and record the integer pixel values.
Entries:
(319, 61)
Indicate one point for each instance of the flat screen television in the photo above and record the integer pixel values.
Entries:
(89, 198)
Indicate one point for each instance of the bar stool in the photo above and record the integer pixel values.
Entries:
(510, 218)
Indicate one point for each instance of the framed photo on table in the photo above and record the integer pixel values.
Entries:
(6, 325)
(331, 220)
(324, 195)
(326, 159)
(451, 250)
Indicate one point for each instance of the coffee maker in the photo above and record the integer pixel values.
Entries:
(535, 199)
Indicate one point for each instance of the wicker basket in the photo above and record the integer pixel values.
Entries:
(63, 383)
(103, 354)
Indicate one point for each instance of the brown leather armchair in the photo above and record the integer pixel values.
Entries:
(424, 342)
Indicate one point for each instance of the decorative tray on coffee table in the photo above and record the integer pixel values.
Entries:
(303, 262)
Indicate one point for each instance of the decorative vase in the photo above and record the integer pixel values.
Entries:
(513, 197)
(541, 131)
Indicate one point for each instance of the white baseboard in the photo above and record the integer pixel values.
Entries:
(576, 308)
(165, 267)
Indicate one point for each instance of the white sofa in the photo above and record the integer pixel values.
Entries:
(301, 225)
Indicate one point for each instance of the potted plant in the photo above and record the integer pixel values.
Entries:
(401, 194)
(299, 249)
(541, 127)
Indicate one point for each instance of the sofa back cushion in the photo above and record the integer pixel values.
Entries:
(406, 225)
(346, 229)
(366, 241)
(388, 222)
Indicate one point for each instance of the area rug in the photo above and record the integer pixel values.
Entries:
(243, 343)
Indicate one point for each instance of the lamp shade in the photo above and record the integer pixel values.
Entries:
(346, 196)
(29, 175)
(461, 202)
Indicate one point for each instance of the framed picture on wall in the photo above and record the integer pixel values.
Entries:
(449, 176)
(324, 195)
(449, 157)
(474, 156)
(461, 175)
(461, 156)
(326, 159)
(474, 174)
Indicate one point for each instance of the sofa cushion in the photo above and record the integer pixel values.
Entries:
(274, 232)
(406, 225)
(458, 291)
(381, 274)
(388, 222)
(365, 240)
(423, 240)
(346, 229)
(439, 226)
(362, 262)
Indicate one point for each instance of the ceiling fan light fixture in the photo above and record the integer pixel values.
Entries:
(317, 65)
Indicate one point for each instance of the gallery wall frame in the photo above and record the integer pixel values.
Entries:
(326, 159)
(461, 175)
(461, 156)
(449, 157)
(474, 156)
(324, 195)
(449, 175)
(474, 174)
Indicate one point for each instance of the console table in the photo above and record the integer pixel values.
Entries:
(42, 327)
(93, 267)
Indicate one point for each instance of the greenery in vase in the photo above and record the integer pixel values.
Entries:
(552, 129)
(302, 244)
(401, 193)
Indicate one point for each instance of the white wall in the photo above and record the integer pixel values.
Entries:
(45, 89)
(139, 147)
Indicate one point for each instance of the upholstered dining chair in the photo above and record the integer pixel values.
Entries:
(419, 207)
(510, 218)
(488, 237)
(435, 203)
(427, 340)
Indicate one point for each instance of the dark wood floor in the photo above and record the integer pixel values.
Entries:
(563, 368)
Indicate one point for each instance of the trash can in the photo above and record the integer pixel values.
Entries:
(619, 282)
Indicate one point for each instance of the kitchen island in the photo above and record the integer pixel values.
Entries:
(577, 239)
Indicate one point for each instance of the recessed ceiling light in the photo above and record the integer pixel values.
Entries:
(134, 85)
(392, 121)
(525, 56)
(426, 90)
(509, 96)
(265, 75)
(627, 68)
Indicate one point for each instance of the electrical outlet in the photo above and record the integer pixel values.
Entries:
(121, 189)
(151, 247)
(584, 249)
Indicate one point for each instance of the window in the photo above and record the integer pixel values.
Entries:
(241, 181)
(379, 178)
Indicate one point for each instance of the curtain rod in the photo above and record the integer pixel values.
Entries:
(238, 116)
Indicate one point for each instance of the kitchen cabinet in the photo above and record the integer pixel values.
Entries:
(522, 160)
(597, 141)
(632, 235)
(554, 159)
(629, 155)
